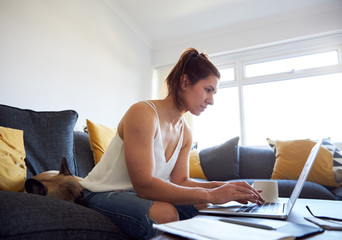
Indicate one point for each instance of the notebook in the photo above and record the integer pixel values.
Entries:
(276, 210)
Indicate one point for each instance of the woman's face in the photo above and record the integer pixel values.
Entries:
(198, 96)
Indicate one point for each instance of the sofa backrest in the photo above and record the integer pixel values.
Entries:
(255, 162)
(48, 136)
(83, 156)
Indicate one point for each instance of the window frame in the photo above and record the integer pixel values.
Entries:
(276, 51)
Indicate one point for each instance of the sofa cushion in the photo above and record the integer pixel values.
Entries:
(338, 192)
(219, 163)
(195, 168)
(12, 159)
(291, 157)
(30, 216)
(48, 136)
(310, 190)
(255, 162)
(337, 159)
(99, 136)
(82, 154)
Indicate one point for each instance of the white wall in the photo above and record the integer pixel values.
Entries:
(259, 32)
(71, 54)
(318, 21)
(81, 55)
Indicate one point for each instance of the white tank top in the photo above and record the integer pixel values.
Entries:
(111, 172)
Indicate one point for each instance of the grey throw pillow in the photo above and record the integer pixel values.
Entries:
(220, 163)
(48, 136)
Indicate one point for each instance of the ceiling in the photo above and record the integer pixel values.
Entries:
(163, 20)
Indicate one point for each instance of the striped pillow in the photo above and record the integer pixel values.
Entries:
(337, 159)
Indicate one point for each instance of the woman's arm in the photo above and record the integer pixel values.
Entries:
(180, 174)
(139, 130)
(140, 126)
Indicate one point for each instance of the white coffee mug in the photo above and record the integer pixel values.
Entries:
(269, 189)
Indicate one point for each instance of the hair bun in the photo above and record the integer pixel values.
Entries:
(204, 55)
(194, 52)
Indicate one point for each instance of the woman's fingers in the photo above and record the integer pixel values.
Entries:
(242, 201)
(245, 185)
(242, 192)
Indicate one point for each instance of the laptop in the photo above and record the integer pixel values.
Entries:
(274, 210)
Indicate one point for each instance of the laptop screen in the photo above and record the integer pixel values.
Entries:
(303, 176)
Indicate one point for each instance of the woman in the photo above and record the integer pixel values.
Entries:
(143, 176)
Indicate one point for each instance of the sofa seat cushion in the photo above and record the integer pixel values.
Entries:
(48, 136)
(310, 190)
(338, 192)
(29, 216)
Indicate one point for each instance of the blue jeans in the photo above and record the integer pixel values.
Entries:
(129, 212)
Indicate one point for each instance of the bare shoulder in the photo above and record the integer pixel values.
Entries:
(187, 128)
(141, 110)
(140, 116)
(187, 135)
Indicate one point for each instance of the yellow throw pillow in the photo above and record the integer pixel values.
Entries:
(12, 160)
(195, 169)
(99, 137)
(291, 157)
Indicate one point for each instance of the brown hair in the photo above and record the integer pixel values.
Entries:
(194, 64)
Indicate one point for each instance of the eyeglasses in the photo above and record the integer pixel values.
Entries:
(323, 217)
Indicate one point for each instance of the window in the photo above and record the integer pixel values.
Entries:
(227, 74)
(294, 109)
(292, 64)
(281, 92)
(214, 121)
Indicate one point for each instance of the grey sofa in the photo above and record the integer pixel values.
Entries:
(28, 216)
(48, 136)
(257, 163)
(231, 162)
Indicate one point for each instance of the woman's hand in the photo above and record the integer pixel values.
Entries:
(235, 191)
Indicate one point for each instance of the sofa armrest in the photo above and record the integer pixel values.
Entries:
(30, 216)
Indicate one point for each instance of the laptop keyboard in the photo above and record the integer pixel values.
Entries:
(264, 208)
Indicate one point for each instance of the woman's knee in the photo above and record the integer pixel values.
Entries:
(163, 212)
